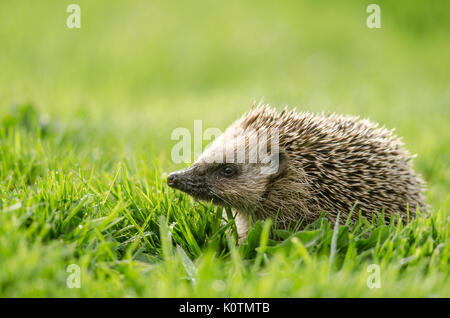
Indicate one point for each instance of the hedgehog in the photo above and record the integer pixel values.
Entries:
(294, 167)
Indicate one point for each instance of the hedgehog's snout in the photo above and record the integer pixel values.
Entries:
(182, 180)
(171, 179)
(190, 183)
(176, 179)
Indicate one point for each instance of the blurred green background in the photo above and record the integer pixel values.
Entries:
(116, 88)
(137, 70)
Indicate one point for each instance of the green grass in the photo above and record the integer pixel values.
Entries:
(85, 123)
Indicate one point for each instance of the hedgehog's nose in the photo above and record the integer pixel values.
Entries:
(180, 179)
(172, 179)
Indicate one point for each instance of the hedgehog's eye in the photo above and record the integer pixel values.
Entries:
(228, 171)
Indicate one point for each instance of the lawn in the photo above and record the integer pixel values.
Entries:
(86, 117)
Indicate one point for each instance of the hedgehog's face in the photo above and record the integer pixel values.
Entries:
(239, 184)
